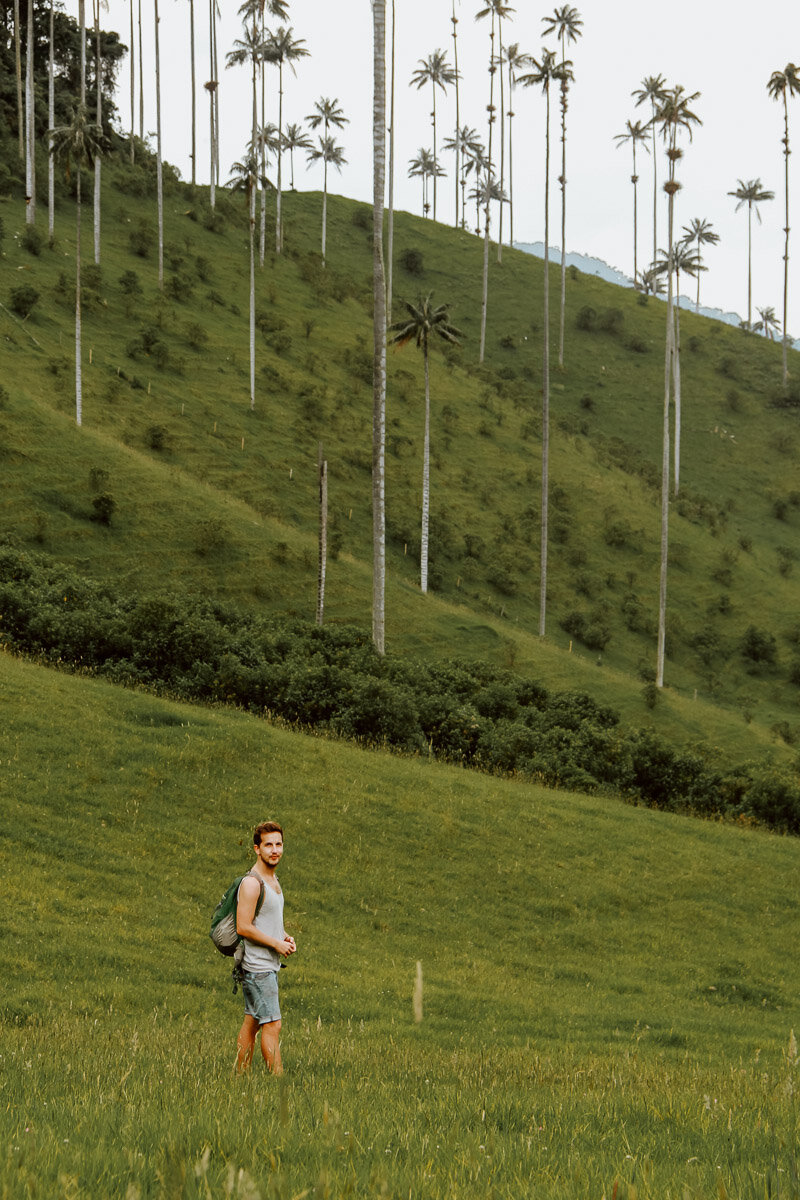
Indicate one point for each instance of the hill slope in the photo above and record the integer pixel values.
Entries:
(211, 496)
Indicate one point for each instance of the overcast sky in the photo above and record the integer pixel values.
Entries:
(724, 49)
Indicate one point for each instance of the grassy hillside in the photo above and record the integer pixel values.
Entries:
(210, 496)
(608, 992)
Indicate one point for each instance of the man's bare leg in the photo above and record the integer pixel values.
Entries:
(271, 1047)
(245, 1043)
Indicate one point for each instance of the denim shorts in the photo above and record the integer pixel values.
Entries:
(261, 996)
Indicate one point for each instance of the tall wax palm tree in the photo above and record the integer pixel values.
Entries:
(424, 167)
(379, 328)
(673, 115)
(280, 48)
(159, 166)
(328, 152)
(51, 108)
(98, 158)
(421, 322)
(769, 323)
(465, 144)
(684, 259)
(294, 138)
(495, 10)
(636, 134)
(76, 145)
(473, 163)
(515, 60)
(752, 193)
(486, 191)
(782, 85)
(390, 198)
(701, 232)
(566, 24)
(544, 73)
(652, 91)
(436, 71)
(193, 85)
(132, 85)
(244, 178)
(18, 65)
(250, 49)
(212, 87)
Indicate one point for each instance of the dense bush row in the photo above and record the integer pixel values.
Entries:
(331, 678)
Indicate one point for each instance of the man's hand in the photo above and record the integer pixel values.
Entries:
(286, 947)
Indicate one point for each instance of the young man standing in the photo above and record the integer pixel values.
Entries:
(265, 944)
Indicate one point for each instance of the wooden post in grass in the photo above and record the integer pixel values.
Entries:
(418, 994)
(323, 533)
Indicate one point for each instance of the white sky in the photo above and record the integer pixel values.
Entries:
(725, 49)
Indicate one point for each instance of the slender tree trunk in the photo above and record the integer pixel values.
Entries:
(676, 385)
(426, 480)
(485, 289)
(262, 233)
(562, 179)
(252, 224)
(141, 74)
(785, 338)
(324, 207)
(379, 331)
(634, 181)
(194, 92)
(97, 166)
(665, 438)
(18, 65)
(78, 376)
(545, 382)
(502, 137)
(454, 20)
(159, 174)
(655, 182)
(51, 165)
(510, 158)
(749, 264)
(30, 125)
(323, 535)
(390, 219)
(133, 87)
(82, 34)
(212, 88)
(215, 49)
(278, 217)
(433, 117)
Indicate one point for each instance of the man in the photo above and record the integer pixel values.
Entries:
(265, 944)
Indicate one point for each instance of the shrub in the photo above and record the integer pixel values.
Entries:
(586, 318)
(23, 300)
(155, 437)
(129, 283)
(758, 646)
(411, 261)
(32, 240)
(590, 629)
(104, 507)
(612, 320)
(211, 537)
(140, 239)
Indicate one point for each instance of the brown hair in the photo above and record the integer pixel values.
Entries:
(266, 827)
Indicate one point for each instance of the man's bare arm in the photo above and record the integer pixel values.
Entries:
(249, 891)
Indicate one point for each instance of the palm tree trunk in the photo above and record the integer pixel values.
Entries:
(510, 158)
(252, 224)
(51, 165)
(433, 115)
(502, 137)
(379, 331)
(655, 184)
(676, 384)
(30, 128)
(78, 377)
(262, 233)
(212, 87)
(159, 174)
(324, 207)
(97, 167)
(390, 220)
(665, 456)
(133, 88)
(785, 337)
(323, 535)
(141, 75)
(18, 65)
(194, 94)
(82, 34)
(545, 382)
(634, 181)
(278, 219)
(454, 20)
(563, 181)
(426, 480)
(749, 263)
(485, 288)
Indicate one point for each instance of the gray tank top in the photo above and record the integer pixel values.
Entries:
(270, 922)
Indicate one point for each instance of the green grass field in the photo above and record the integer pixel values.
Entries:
(609, 992)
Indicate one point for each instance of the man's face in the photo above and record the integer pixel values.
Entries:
(270, 850)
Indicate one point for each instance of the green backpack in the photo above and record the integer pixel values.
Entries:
(223, 921)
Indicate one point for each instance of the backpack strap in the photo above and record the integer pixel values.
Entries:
(261, 894)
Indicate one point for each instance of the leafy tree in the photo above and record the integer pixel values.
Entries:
(752, 193)
(652, 91)
(282, 48)
(436, 71)
(328, 152)
(244, 178)
(422, 320)
(636, 134)
(566, 24)
(782, 85)
(701, 232)
(77, 144)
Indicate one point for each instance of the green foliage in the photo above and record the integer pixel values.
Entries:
(32, 240)
(141, 239)
(23, 299)
(758, 646)
(411, 261)
(104, 507)
(129, 283)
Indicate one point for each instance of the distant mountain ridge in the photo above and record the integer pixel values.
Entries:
(596, 266)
